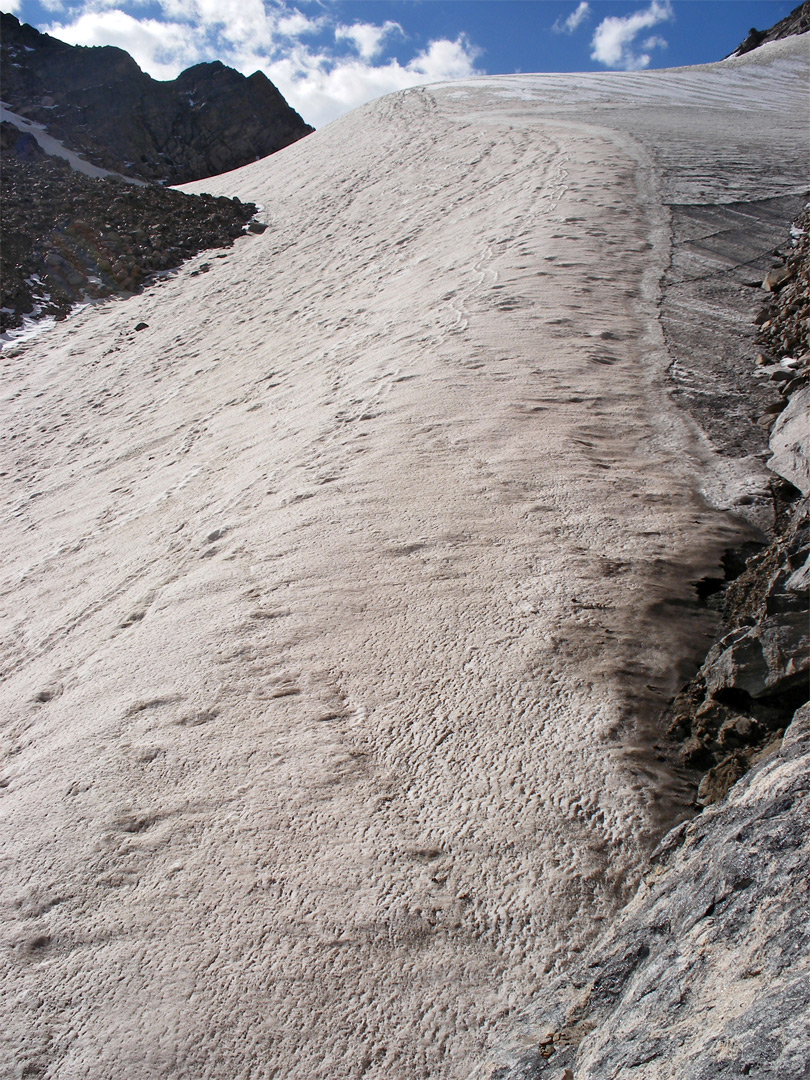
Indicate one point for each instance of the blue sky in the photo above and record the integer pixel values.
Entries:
(328, 57)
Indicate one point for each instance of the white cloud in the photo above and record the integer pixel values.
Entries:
(11, 7)
(85, 7)
(297, 25)
(367, 38)
(445, 59)
(161, 48)
(322, 87)
(614, 41)
(237, 22)
(320, 81)
(574, 20)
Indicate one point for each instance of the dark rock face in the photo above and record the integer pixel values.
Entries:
(743, 697)
(784, 321)
(797, 22)
(98, 102)
(67, 237)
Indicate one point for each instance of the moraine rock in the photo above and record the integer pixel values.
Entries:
(67, 237)
(768, 658)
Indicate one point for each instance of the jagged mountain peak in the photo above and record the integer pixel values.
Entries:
(96, 100)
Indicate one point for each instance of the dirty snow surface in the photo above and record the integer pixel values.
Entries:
(338, 600)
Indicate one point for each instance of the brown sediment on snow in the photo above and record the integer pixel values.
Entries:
(705, 971)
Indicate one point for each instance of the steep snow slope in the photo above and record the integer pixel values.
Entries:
(337, 601)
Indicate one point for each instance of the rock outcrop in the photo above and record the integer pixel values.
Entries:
(209, 120)
(789, 442)
(67, 237)
(736, 708)
(797, 22)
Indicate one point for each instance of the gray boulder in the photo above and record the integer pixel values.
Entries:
(768, 658)
(790, 442)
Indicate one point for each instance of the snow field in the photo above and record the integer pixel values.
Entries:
(337, 603)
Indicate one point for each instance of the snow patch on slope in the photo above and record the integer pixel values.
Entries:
(56, 148)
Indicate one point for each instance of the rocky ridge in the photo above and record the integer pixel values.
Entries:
(208, 120)
(68, 238)
(706, 972)
(797, 22)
